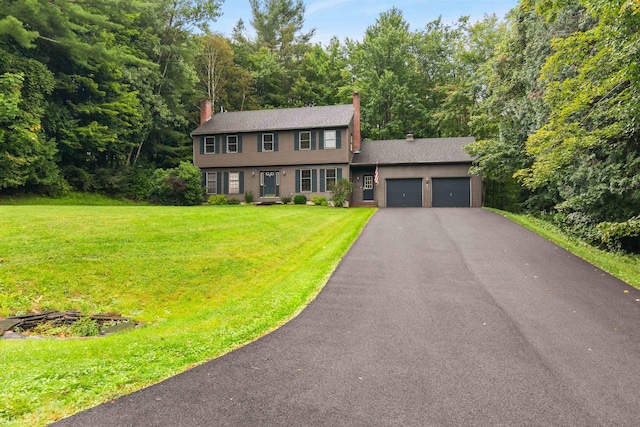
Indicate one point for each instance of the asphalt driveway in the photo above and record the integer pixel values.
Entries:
(436, 317)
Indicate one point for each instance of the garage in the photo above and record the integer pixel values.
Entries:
(404, 193)
(451, 192)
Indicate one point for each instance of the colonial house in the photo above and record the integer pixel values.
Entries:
(274, 153)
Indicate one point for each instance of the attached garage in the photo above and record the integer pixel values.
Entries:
(451, 192)
(403, 193)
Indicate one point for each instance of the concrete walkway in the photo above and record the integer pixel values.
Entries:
(436, 317)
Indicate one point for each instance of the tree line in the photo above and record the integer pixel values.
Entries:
(97, 95)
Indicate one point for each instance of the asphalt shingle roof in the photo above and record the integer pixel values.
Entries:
(271, 120)
(424, 150)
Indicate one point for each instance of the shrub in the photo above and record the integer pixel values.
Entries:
(286, 199)
(234, 201)
(181, 186)
(218, 199)
(300, 199)
(248, 197)
(341, 192)
(319, 201)
(85, 327)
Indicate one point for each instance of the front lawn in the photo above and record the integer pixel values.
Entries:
(203, 280)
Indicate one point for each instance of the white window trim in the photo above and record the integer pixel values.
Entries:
(213, 145)
(368, 182)
(236, 142)
(214, 190)
(332, 139)
(300, 140)
(326, 178)
(235, 175)
(272, 142)
(310, 190)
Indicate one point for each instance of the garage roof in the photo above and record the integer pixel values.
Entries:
(418, 151)
(332, 116)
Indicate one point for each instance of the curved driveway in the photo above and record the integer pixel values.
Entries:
(436, 317)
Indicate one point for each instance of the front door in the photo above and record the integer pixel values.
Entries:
(367, 188)
(269, 183)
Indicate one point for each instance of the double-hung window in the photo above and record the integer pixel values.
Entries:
(330, 179)
(234, 182)
(212, 182)
(305, 180)
(267, 142)
(329, 139)
(305, 140)
(209, 145)
(232, 143)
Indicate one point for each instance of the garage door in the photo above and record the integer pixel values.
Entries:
(451, 192)
(404, 193)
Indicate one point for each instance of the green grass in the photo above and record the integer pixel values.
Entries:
(204, 280)
(623, 266)
(75, 198)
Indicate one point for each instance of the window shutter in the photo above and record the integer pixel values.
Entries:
(241, 183)
(339, 173)
(313, 140)
(218, 182)
(226, 182)
(314, 180)
(202, 145)
(216, 144)
(275, 141)
(223, 142)
(338, 139)
(321, 142)
(204, 180)
(296, 141)
(322, 179)
(259, 143)
(297, 180)
(239, 143)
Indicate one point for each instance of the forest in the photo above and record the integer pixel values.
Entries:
(98, 95)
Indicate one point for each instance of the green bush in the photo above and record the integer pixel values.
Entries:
(218, 199)
(300, 199)
(181, 186)
(319, 201)
(248, 197)
(285, 199)
(341, 192)
(85, 327)
(234, 201)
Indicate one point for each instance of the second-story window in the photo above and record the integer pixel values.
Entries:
(305, 140)
(267, 142)
(209, 145)
(329, 139)
(232, 144)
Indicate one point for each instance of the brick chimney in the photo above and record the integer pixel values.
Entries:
(205, 111)
(356, 122)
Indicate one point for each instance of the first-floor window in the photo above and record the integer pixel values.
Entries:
(209, 145)
(212, 182)
(331, 177)
(232, 144)
(267, 142)
(234, 182)
(305, 180)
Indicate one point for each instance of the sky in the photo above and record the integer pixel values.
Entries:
(351, 18)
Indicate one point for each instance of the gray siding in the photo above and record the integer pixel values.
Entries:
(419, 171)
(287, 179)
(286, 154)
